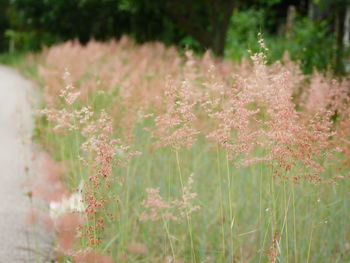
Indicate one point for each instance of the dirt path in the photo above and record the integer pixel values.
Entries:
(16, 125)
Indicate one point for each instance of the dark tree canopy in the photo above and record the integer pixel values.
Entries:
(170, 21)
(199, 24)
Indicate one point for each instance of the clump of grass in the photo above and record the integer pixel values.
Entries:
(266, 150)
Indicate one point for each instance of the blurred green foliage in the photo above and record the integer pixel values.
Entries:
(310, 42)
(243, 33)
(313, 44)
(27, 25)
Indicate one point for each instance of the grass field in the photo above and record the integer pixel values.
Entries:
(190, 159)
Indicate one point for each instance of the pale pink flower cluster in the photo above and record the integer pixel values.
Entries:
(108, 151)
(291, 138)
(252, 106)
(138, 73)
(235, 131)
(254, 111)
(157, 208)
(259, 113)
(330, 98)
(68, 119)
(68, 92)
(101, 152)
(185, 206)
(175, 126)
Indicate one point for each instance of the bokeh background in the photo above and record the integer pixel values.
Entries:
(315, 32)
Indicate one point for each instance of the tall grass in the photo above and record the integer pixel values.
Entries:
(186, 159)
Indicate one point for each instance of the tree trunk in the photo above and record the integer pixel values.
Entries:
(346, 39)
(222, 15)
(291, 14)
(210, 36)
(340, 26)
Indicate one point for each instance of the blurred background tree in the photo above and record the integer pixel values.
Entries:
(316, 32)
(4, 23)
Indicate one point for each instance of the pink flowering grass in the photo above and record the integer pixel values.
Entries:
(194, 159)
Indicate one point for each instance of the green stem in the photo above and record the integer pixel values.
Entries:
(170, 242)
(294, 226)
(286, 216)
(221, 205)
(193, 256)
(230, 204)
